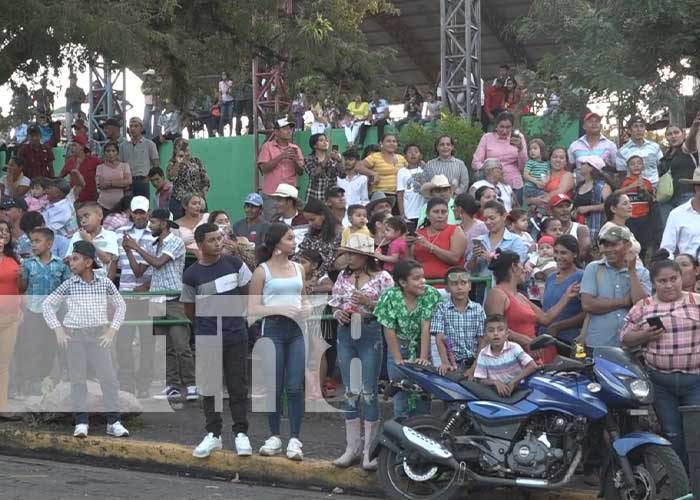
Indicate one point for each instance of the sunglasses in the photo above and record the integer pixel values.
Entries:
(453, 278)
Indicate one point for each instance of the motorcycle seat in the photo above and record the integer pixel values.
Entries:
(486, 393)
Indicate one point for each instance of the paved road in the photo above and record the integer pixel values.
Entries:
(29, 479)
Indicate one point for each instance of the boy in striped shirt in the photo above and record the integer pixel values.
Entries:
(502, 364)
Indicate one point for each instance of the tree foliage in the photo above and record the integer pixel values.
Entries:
(626, 51)
(187, 39)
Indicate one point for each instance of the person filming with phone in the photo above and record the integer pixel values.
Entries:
(667, 327)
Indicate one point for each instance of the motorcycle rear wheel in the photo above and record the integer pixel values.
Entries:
(658, 471)
(399, 486)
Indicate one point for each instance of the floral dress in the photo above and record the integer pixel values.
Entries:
(392, 313)
(191, 178)
(344, 287)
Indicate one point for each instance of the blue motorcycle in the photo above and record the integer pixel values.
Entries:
(533, 438)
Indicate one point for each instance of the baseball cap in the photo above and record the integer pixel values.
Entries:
(8, 203)
(283, 122)
(88, 250)
(112, 122)
(34, 130)
(140, 203)
(558, 199)
(79, 123)
(594, 161)
(635, 119)
(82, 140)
(615, 233)
(546, 240)
(253, 199)
(164, 214)
(334, 191)
(136, 119)
(286, 191)
(591, 115)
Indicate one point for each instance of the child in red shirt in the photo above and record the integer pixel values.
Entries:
(641, 195)
(395, 236)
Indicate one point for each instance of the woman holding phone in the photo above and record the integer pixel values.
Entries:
(667, 327)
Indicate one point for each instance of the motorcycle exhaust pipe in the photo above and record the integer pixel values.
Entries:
(426, 447)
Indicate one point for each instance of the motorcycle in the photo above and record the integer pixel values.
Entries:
(533, 438)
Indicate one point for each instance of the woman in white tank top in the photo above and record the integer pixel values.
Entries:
(276, 295)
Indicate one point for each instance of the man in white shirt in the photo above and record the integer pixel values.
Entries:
(682, 231)
(493, 178)
(106, 242)
(408, 192)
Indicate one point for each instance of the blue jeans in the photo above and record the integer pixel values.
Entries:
(401, 409)
(289, 371)
(226, 116)
(672, 390)
(368, 349)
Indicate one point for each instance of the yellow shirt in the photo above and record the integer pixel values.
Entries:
(358, 111)
(386, 171)
(348, 231)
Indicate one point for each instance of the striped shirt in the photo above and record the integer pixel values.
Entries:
(649, 151)
(127, 279)
(504, 366)
(454, 169)
(580, 148)
(678, 349)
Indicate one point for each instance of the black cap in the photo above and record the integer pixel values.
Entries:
(88, 250)
(635, 119)
(334, 191)
(34, 129)
(8, 203)
(112, 122)
(164, 214)
(60, 183)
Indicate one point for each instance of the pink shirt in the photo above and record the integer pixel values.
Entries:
(397, 247)
(285, 172)
(512, 159)
(163, 196)
(108, 198)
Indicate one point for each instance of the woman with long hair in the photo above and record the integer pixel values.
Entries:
(355, 294)
(276, 296)
(561, 180)
(382, 167)
(187, 174)
(681, 159)
(324, 233)
(591, 194)
(10, 301)
(193, 217)
(113, 177)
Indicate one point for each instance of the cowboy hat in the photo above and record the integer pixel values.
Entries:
(358, 243)
(439, 181)
(695, 180)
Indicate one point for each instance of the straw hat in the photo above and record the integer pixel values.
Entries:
(695, 180)
(358, 243)
(437, 182)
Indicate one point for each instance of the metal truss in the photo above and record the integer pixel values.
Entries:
(107, 98)
(460, 56)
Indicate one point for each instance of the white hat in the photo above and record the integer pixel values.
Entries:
(149, 72)
(283, 122)
(359, 243)
(437, 182)
(140, 203)
(286, 191)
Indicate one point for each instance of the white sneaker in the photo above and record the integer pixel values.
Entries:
(272, 447)
(81, 430)
(243, 448)
(192, 394)
(117, 430)
(207, 446)
(168, 393)
(294, 450)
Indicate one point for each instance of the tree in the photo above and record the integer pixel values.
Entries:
(188, 39)
(630, 52)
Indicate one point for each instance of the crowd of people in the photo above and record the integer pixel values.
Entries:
(413, 261)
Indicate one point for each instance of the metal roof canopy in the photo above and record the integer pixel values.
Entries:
(415, 35)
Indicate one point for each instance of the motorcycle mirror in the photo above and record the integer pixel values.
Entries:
(542, 341)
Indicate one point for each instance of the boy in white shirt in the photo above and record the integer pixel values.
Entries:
(354, 184)
(407, 190)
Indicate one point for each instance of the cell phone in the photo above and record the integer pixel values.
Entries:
(655, 322)
(477, 241)
(335, 147)
(411, 232)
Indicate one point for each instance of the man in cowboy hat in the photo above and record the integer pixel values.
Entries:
(438, 187)
(286, 210)
(280, 162)
(682, 232)
(141, 154)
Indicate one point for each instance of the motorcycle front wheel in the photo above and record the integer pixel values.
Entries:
(406, 477)
(658, 473)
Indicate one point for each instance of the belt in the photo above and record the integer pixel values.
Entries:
(139, 177)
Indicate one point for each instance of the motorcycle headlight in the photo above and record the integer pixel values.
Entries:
(640, 389)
